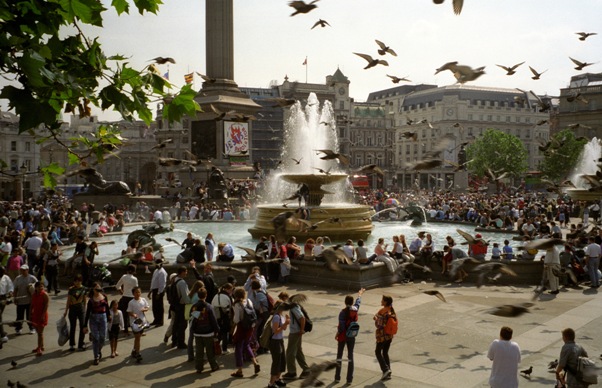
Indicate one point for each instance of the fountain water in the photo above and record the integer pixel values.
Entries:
(587, 165)
(309, 129)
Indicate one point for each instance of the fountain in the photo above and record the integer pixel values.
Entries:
(307, 130)
(587, 165)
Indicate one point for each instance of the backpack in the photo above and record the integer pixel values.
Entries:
(173, 296)
(586, 370)
(249, 316)
(309, 325)
(266, 335)
(201, 324)
(352, 330)
(271, 302)
(391, 325)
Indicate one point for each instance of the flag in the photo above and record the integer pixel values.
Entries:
(305, 62)
(188, 78)
(166, 75)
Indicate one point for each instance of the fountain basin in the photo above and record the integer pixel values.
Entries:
(584, 195)
(338, 222)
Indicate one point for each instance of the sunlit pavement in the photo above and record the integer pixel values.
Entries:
(438, 344)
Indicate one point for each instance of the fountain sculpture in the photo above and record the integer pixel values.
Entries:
(586, 176)
(319, 184)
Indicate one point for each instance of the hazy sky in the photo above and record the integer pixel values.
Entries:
(269, 44)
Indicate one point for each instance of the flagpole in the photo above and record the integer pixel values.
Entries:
(306, 66)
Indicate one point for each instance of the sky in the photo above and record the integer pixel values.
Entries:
(269, 44)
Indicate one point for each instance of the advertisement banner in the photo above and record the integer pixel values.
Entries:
(236, 138)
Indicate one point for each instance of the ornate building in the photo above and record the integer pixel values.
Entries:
(580, 105)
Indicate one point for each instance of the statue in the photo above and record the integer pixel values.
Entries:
(217, 184)
(98, 185)
(462, 158)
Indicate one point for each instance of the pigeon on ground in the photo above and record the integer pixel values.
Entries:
(527, 372)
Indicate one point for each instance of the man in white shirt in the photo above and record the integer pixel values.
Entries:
(592, 259)
(505, 355)
(157, 291)
(551, 264)
(6, 292)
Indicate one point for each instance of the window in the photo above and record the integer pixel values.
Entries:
(480, 117)
(27, 146)
(358, 160)
(342, 105)
(470, 116)
(13, 145)
(369, 141)
(407, 148)
(489, 118)
(518, 119)
(369, 159)
(507, 119)
(185, 139)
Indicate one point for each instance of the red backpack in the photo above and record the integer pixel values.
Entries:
(391, 325)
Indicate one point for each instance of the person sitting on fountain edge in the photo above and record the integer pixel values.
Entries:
(225, 252)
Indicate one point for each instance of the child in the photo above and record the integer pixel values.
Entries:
(136, 309)
(39, 314)
(496, 252)
(508, 252)
(116, 327)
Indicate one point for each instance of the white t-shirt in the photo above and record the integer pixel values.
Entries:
(593, 250)
(129, 282)
(504, 370)
(137, 307)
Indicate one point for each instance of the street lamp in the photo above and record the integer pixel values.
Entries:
(19, 182)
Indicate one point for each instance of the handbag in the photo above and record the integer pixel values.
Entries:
(217, 349)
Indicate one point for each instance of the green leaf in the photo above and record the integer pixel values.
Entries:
(88, 11)
(121, 6)
(147, 5)
(73, 158)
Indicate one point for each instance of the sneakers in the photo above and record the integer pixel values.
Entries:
(289, 376)
(4, 339)
(280, 383)
(18, 331)
(304, 374)
(386, 375)
(32, 331)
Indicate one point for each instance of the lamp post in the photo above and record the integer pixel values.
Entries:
(19, 177)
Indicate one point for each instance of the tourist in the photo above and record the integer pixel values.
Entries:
(406, 256)
(346, 316)
(222, 306)
(381, 255)
(6, 292)
(209, 246)
(207, 278)
(261, 305)
(76, 306)
(308, 248)
(280, 322)
(294, 347)
(76, 258)
(592, 260)
(293, 250)
(451, 254)
(198, 251)
(32, 248)
(50, 269)
(507, 252)
(567, 362)
(14, 263)
(478, 250)
(256, 275)
(242, 333)
(384, 339)
(496, 252)
(125, 285)
(349, 250)
(97, 316)
(88, 260)
(194, 298)
(551, 265)
(285, 270)
(318, 248)
(136, 311)
(204, 329)
(505, 355)
(225, 252)
(22, 298)
(116, 327)
(273, 248)
(181, 298)
(361, 253)
(157, 292)
(188, 241)
(416, 244)
(39, 314)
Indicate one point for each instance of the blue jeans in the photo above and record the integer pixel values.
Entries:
(350, 343)
(98, 331)
(592, 269)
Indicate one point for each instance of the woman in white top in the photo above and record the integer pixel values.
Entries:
(349, 249)
(319, 247)
(125, 285)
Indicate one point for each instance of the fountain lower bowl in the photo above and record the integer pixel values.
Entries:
(584, 195)
(355, 222)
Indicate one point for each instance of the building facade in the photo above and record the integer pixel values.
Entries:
(580, 105)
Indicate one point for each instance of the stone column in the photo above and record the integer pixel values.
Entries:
(219, 28)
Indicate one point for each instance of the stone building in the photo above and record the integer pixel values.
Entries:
(580, 105)
(463, 112)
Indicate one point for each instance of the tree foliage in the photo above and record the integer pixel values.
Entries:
(51, 71)
(497, 151)
(562, 154)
